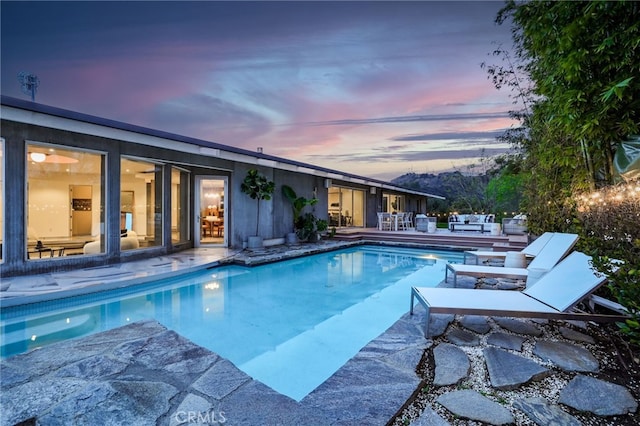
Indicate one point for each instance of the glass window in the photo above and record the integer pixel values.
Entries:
(393, 203)
(2, 156)
(346, 207)
(65, 201)
(140, 204)
(179, 205)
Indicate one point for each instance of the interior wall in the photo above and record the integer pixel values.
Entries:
(49, 207)
(174, 208)
(139, 188)
(358, 208)
(2, 194)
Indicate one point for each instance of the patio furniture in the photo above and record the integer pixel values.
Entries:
(384, 221)
(514, 225)
(478, 226)
(552, 297)
(409, 219)
(404, 221)
(530, 251)
(422, 223)
(558, 246)
(471, 222)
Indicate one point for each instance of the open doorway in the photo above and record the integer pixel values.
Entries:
(211, 212)
(81, 200)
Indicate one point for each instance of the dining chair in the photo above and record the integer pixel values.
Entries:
(206, 229)
(410, 219)
(384, 221)
(218, 226)
(406, 221)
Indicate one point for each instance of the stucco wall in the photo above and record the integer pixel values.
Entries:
(274, 221)
(276, 218)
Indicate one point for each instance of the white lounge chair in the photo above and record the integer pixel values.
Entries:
(558, 246)
(529, 251)
(552, 297)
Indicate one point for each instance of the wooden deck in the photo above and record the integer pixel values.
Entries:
(440, 238)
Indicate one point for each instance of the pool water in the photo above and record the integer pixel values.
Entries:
(289, 324)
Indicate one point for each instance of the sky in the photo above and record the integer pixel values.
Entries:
(378, 89)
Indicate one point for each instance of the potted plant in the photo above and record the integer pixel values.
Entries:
(321, 227)
(309, 227)
(258, 187)
(297, 205)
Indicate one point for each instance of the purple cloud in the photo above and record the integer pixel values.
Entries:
(301, 79)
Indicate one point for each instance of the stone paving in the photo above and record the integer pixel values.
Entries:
(510, 369)
(145, 374)
(488, 366)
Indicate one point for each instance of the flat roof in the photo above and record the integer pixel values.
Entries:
(11, 111)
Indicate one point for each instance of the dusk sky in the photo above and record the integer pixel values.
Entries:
(378, 89)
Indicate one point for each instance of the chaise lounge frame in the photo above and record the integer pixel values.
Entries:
(530, 251)
(556, 248)
(552, 297)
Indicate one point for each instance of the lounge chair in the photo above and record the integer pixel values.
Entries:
(529, 251)
(552, 297)
(558, 246)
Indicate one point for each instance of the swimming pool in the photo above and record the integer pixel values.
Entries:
(289, 324)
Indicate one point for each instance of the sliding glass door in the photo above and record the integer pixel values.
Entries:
(211, 214)
(346, 207)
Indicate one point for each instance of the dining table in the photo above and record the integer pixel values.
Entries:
(50, 251)
(214, 221)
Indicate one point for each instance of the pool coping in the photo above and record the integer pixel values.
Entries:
(144, 373)
(22, 290)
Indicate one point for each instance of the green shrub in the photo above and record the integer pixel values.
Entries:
(609, 220)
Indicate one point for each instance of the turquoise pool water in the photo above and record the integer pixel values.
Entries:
(289, 324)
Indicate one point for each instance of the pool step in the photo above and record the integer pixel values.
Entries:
(297, 366)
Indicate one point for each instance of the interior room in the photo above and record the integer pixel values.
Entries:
(212, 211)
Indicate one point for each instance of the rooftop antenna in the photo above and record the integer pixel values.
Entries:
(29, 84)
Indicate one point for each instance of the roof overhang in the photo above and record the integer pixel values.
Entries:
(43, 115)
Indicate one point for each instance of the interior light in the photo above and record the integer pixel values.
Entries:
(212, 286)
(38, 157)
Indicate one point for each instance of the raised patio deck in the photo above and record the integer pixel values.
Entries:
(440, 238)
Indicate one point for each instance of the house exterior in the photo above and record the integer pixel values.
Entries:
(80, 191)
